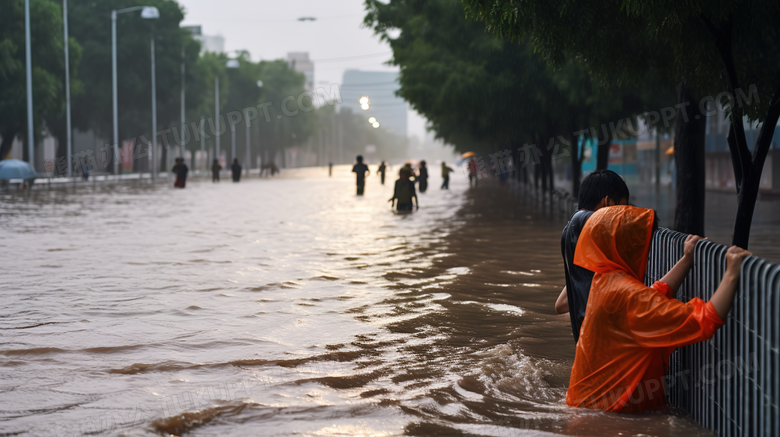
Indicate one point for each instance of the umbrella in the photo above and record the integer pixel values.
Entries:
(670, 151)
(16, 169)
(468, 155)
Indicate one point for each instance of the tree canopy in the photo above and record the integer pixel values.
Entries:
(48, 67)
(727, 49)
(484, 93)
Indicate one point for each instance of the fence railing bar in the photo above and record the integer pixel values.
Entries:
(731, 383)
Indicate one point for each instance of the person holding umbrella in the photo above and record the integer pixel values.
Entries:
(17, 169)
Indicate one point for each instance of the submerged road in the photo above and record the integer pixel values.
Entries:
(289, 306)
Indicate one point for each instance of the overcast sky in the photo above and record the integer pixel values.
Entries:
(269, 29)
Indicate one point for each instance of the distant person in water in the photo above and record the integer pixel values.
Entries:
(423, 177)
(381, 171)
(330, 169)
(215, 168)
(360, 169)
(472, 172)
(85, 168)
(236, 170)
(445, 174)
(403, 192)
(181, 170)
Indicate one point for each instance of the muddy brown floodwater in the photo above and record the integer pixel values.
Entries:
(288, 307)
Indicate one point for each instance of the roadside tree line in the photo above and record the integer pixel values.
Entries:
(496, 74)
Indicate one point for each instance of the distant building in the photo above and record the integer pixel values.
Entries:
(208, 43)
(300, 62)
(389, 110)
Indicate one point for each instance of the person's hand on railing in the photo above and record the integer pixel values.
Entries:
(675, 277)
(690, 246)
(734, 257)
(724, 295)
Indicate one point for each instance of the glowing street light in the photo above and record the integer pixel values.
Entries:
(364, 103)
(372, 120)
(375, 124)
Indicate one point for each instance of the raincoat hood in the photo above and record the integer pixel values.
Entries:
(616, 238)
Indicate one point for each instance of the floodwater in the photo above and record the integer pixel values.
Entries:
(289, 306)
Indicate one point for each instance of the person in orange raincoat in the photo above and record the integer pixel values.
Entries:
(630, 329)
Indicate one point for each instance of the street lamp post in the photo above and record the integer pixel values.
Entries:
(69, 140)
(28, 65)
(154, 118)
(232, 63)
(216, 110)
(149, 13)
(183, 122)
(202, 141)
(248, 163)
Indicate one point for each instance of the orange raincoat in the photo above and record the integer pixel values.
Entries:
(629, 329)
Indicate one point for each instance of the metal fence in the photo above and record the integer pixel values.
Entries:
(731, 383)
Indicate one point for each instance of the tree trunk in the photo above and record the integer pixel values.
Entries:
(747, 166)
(550, 172)
(602, 155)
(689, 164)
(538, 169)
(748, 169)
(576, 167)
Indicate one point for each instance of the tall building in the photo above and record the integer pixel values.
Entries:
(208, 43)
(300, 62)
(389, 110)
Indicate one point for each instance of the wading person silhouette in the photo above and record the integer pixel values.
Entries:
(235, 169)
(330, 169)
(85, 169)
(381, 171)
(445, 174)
(403, 192)
(215, 169)
(360, 170)
(423, 177)
(472, 165)
(180, 170)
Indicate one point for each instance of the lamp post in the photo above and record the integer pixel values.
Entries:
(69, 144)
(28, 65)
(232, 63)
(248, 164)
(183, 122)
(216, 110)
(149, 13)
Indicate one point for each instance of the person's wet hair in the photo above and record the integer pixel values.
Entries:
(601, 184)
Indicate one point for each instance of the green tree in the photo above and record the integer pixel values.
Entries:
(481, 93)
(90, 25)
(727, 46)
(48, 68)
(733, 46)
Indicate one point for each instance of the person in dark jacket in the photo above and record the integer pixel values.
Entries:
(360, 170)
(215, 169)
(181, 170)
(423, 177)
(381, 171)
(403, 192)
(236, 170)
(600, 189)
